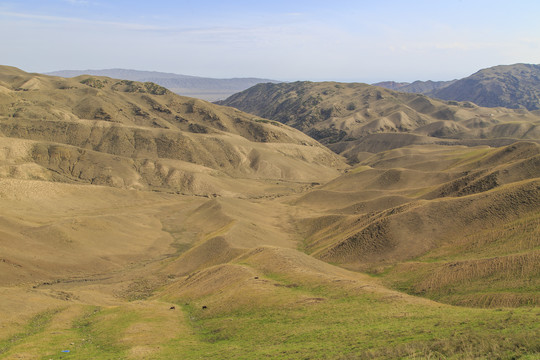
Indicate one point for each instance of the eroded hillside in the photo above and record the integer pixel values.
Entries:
(137, 224)
(139, 135)
(352, 118)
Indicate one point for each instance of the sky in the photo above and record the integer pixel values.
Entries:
(340, 40)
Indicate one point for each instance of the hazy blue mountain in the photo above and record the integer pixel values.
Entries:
(210, 89)
(417, 87)
(392, 85)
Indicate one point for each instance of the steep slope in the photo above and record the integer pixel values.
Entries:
(209, 89)
(512, 86)
(140, 135)
(355, 118)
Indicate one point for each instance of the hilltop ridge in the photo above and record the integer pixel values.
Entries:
(140, 135)
(355, 118)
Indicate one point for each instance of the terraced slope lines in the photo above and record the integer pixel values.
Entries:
(456, 224)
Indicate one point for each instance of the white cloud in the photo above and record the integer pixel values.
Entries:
(77, 2)
(63, 19)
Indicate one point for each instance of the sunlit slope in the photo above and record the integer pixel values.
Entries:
(53, 231)
(111, 297)
(76, 156)
(353, 118)
(122, 239)
(461, 225)
(139, 135)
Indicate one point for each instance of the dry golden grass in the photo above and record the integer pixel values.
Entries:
(126, 134)
(473, 226)
(110, 219)
(356, 118)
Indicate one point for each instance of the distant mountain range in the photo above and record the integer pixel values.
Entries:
(512, 86)
(417, 87)
(204, 88)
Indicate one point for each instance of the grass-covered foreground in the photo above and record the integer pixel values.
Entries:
(296, 321)
(364, 327)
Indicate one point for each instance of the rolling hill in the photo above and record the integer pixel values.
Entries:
(204, 88)
(140, 135)
(139, 224)
(456, 224)
(353, 118)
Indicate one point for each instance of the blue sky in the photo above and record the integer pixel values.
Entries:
(339, 40)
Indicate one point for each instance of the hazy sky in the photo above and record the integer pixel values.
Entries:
(340, 40)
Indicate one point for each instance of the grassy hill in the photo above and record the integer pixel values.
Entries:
(138, 224)
(353, 119)
(139, 135)
(454, 224)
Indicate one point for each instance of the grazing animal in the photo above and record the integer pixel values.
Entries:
(205, 307)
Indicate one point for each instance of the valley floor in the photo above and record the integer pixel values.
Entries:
(106, 273)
